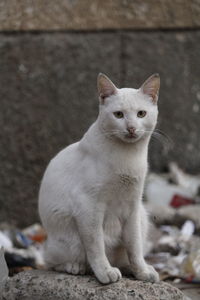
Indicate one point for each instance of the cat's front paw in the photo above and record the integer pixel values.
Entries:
(147, 273)
(108, 275)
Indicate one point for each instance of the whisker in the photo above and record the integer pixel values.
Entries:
(164, 139)
(156, 134)
(113, 132)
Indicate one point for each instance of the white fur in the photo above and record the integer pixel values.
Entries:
(90, 197)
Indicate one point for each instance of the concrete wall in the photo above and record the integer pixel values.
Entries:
(48, 82)
(98, 14)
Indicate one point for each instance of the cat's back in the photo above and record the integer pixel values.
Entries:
(58, 169)
(63, 159)
(57, 179)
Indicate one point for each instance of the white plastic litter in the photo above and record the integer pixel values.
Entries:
(160, 192)
(187, 181)
(187, 230)
(5, 242)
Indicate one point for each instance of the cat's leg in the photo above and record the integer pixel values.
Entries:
(90, 226)
(134, 233)
(64, 251)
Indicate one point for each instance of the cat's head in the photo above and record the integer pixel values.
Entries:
(128, 114)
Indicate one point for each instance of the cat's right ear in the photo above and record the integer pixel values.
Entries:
(105, 87)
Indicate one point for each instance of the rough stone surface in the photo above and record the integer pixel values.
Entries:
(175, 57)
(43, 285)
(98, 14)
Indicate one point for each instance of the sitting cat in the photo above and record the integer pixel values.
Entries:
(90, 200)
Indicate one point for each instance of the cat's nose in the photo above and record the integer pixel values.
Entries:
(131, 130)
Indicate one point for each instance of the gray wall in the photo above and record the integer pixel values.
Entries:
(48, 99)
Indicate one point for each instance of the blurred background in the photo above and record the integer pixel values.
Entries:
(50, 55)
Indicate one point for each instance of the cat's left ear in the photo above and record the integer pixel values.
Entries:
(105, 87)
(151, 87)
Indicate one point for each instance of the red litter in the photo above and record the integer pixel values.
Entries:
(179, 200)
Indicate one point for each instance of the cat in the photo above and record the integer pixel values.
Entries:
(90, 199)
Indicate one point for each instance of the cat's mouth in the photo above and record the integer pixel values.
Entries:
(131, 135)
(130, 138)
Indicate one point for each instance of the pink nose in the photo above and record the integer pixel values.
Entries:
(131, 130)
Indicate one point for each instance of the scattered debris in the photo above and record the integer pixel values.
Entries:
(175, 188)
(178, 201)
(173, 201)
(23, 248)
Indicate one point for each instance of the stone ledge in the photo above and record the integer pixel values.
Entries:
(98, 14)
(47, 285)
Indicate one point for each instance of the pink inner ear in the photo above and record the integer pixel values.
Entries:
(151, 91)
(105, 87)
(151, 87)
(107, 93)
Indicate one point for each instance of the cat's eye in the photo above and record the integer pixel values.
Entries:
(118, 114)
(141, 113)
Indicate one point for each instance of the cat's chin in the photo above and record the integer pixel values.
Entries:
(129, 139)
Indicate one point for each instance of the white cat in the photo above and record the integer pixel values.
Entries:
(90, 200)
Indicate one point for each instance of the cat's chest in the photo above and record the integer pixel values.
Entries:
(118, 181)
(124, 182)
(119, 192)
(120, 196)
(125, 173)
